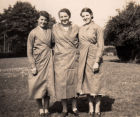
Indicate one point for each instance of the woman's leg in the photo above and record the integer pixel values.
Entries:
(97, 106)
(64, 105)
(40, 106)
(74, 106)
(46, 104)
(65, 110)
(91, 105)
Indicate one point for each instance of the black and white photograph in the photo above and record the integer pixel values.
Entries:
(69, 58)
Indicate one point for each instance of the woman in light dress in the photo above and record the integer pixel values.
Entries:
(66, 60)
(91, 45)
(41, 73)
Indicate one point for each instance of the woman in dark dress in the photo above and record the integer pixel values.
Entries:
(41, 73)
(66, 60)
(91, 45)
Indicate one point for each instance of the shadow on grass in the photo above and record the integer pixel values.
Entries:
(82, 105)
(106, 103)
(117, 61)
(114, 60)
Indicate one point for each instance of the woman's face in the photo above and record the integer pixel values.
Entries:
(87, 17)
(64, 18)
(42, 21)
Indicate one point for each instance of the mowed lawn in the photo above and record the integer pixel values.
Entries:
(121, 84)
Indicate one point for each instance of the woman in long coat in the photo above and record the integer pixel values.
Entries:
(65, 59)
(91, 49)
(41, 75)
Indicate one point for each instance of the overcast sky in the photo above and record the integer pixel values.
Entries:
(102, 9)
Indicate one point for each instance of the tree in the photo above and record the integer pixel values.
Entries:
(123, 32)
(17, 22)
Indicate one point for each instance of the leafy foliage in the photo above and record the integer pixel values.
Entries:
(20, 19)
(124, 30)
(16, 22)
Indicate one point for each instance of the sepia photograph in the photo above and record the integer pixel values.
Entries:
(69, 58)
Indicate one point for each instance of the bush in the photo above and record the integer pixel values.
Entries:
(110, 50)
(123, 32)
(11, 55)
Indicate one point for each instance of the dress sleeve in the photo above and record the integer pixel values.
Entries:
(76, 30)
(30, 46)
(100, 45)
(52, 39)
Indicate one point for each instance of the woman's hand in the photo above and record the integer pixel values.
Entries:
(34, 71)
(96, 67)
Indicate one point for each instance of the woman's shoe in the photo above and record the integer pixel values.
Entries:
(64, 114)
(41, 113)
(46, 113)
(91, 114)
(75, 112)
(97, 115)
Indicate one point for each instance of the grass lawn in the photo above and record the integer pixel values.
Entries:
(122, 86)
(6, 63)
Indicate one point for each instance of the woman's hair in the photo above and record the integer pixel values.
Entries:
(66, 11)
(87, 10)
(45, 14)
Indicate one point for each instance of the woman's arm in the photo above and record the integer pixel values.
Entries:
(52, 39)
(100, 45)
(30, 45)
(100, 48)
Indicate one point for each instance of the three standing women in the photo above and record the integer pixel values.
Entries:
(65, 34)
(91, 45)
(41, 75)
